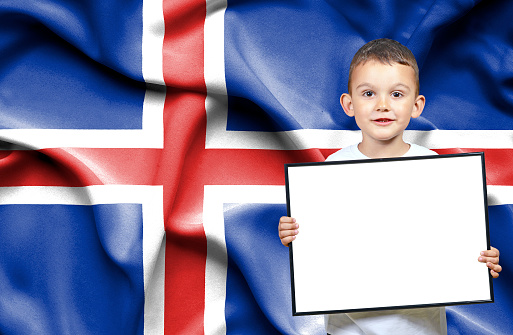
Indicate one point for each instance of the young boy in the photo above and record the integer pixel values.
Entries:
(383, 95)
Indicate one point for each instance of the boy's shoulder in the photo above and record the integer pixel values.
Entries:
(345, 154)
(352, 153)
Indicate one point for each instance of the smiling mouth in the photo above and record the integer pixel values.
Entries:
(383, 120)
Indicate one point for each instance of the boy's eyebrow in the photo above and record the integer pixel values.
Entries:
(403, 85)
(362, 85)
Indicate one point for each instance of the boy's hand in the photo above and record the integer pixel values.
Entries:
(287, 230)
(491, 258)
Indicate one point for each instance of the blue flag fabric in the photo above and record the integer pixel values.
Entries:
(82, 87)
(95, 286)
(82, 60)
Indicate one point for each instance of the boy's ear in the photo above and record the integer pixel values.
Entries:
(347, 104)
(418, 107)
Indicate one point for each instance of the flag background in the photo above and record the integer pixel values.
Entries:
(143, 145)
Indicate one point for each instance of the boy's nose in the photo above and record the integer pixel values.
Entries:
(382, 105)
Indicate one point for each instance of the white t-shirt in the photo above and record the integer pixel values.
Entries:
(425, 321)
(352, 152)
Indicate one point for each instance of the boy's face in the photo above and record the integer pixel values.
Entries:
(382, 99)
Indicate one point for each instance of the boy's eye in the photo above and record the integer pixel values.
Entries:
(368, 94)
(397, 94)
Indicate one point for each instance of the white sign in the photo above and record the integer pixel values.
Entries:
(388, 233)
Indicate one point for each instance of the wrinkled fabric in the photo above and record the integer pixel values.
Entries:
(77, 65)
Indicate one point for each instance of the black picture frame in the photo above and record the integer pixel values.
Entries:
(418, 225)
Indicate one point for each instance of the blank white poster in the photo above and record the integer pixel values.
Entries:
(380, 234)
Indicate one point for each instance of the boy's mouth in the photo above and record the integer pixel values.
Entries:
(383, 121)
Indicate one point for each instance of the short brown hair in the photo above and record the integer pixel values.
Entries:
(386, 51)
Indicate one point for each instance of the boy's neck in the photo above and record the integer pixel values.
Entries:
(384, 149)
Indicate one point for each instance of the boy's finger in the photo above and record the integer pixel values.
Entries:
(483, 259)
(494, 274)
(288, 232)
(494, 267)
(288, 226)
(287, 240)
(287, 219)
(490, 253)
